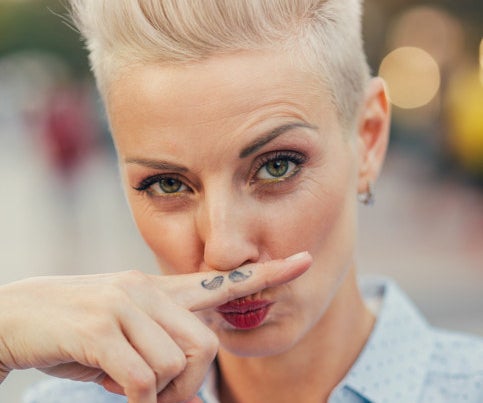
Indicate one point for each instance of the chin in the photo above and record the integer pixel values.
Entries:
(263, 341)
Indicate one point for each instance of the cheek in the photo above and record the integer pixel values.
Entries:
(171, 238)
(308, 220)
(319, 216)
(322, 221)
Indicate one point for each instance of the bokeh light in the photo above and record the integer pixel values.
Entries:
(481, 61)
(412, 76)
(431, 29)
(465, 117)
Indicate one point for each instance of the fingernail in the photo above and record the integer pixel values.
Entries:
(297, 256)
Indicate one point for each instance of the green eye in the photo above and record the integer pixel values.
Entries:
(168, 185)
(278, 168)
(162, 185)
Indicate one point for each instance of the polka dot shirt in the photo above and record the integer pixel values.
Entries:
(404, 361)
(407, 361)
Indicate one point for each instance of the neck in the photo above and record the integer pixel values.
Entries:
(310, 370)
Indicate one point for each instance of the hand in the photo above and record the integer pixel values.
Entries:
(134, 333)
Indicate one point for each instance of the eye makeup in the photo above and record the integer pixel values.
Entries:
(277, 166)
(169, 185)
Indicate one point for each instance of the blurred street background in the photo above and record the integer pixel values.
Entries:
(63, 210)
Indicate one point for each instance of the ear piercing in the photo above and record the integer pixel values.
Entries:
(367, 198)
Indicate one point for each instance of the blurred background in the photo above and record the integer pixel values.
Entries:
(63, 211)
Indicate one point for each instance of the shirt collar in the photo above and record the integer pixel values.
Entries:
(394, 361)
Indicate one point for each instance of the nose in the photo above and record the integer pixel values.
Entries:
(225, 225)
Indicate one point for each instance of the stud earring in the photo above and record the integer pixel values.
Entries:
(367, 198)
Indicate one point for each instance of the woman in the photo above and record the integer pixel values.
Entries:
(245, 131)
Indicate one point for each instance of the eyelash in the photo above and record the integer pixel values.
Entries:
(146, 183)
(291, 156)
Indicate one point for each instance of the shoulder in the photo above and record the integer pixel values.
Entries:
(61, 390)
(418, 361)
(455, 370)
(457, 354)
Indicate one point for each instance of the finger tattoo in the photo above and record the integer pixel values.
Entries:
(236, 276)
(213, 284)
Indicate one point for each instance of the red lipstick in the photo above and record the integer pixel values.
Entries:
(244, 314)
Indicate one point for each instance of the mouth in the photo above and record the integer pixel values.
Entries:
(245, 314)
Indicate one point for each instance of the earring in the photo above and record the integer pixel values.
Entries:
(367, 197)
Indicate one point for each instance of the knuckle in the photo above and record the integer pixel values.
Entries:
(174, 366)
(206, 345)
(142, 381)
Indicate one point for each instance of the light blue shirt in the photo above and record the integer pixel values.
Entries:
(404, 361)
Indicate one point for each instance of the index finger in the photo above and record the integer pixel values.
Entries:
(204, 290)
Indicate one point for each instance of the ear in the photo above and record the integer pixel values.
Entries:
(373, 133)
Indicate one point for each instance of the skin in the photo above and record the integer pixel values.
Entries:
(197, 125)
(120, 329)
(153, 338)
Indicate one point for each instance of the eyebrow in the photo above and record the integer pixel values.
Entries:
(271, 135)
(245, 152)
(156, 164)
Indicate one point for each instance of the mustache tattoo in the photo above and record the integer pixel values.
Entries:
(234, 276)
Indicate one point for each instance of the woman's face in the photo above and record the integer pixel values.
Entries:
(240, 159)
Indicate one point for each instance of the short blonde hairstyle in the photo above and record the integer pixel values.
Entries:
(324, 34)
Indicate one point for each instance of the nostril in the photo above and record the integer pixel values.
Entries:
(229, 258)
(222, 267)
(230, 261)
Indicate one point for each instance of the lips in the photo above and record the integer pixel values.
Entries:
(244, 314)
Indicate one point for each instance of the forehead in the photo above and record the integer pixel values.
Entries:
(231, 91)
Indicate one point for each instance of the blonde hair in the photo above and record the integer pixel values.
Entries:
(323, 34)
